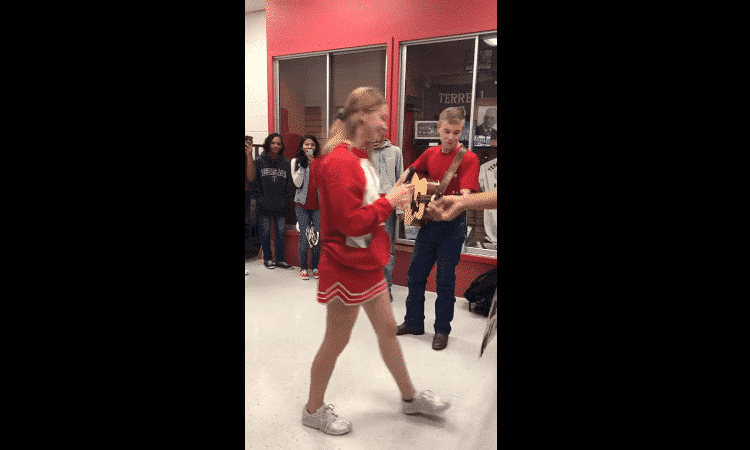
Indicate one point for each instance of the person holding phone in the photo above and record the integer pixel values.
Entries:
(249, 178)
(306, 204)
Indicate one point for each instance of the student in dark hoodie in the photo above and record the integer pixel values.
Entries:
(274, 189)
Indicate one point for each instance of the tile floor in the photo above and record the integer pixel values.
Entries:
(284, 326)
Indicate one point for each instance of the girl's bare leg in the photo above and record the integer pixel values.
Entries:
(380, 313)
(339, 323)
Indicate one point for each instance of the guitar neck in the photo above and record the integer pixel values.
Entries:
(426, 198)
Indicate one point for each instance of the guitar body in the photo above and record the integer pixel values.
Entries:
(423, 191)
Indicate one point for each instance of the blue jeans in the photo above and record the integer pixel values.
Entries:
(390, 228)
(251, 226)
(306, 217)
(265, 236)
(437, 242)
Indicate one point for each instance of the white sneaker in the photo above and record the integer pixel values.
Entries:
(326, 421)
(424, 402)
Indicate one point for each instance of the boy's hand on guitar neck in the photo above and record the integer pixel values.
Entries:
(447, 207)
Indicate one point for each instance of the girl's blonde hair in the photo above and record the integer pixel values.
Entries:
(365, 99)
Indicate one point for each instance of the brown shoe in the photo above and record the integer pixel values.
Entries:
(440, 341)
(403, 329)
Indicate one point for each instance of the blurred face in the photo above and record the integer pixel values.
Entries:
(276, 145)
(308, 146)
(490, 118)
(248, 142)
(376, 124)
(380, 140)
(449, 135)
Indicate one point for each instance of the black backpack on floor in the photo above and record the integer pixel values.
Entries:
(480, 292)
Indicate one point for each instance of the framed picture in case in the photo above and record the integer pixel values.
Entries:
(426, 129)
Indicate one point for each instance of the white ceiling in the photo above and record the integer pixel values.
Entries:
(254, 5)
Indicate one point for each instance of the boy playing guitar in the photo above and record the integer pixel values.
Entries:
(440, 242)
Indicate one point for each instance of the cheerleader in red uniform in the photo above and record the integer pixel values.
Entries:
(354, 249)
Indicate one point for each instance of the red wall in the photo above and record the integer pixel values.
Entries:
(304, 26)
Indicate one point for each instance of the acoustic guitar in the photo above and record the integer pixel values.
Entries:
(424, 189)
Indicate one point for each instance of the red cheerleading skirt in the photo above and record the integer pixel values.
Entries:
(353, 286)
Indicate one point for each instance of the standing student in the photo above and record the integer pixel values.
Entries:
(273, 188)
(306, 204)
(249, 178)
(440, 242)
(354, 251)
(388, 161)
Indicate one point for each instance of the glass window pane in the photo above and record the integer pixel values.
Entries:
(302, 95)
(301, 107)
(436, 77)
(439, 75)
(302, 101)
(352, 70)
(483, 223)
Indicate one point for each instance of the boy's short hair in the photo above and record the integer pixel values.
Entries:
(453, 116)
